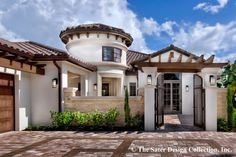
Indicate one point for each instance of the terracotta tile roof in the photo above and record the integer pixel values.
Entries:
(39, 49)
(6, 45)
(94, 28)
(134, 56)
(40, 52)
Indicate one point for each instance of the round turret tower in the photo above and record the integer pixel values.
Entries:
(104, 46)
(97, 43)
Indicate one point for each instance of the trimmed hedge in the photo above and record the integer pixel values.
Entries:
(95, 119)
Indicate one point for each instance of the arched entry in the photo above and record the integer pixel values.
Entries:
(199, 102)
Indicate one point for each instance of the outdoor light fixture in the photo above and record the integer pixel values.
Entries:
(187, 88)
(125, 87)
(94, 86)
(212, 80)
(54, 83)
(149, 79)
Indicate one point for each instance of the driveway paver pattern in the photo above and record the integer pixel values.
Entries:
(117, 144)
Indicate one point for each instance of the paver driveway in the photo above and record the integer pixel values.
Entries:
(117, 144)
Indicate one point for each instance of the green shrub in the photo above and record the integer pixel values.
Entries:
(231, 109)
(234, 118)
(62, 119)
(222, 125)
(137, 121)
(127, 109)
(95, 119)
(110, 117)
(80, 119)
(98, 119)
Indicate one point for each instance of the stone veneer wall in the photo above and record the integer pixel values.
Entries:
(90, 104)
(222, 103)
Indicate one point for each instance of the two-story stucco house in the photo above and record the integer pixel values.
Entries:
(97, 66)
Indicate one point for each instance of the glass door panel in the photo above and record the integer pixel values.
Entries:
(172, 97)
(167, 97)
(176, 96)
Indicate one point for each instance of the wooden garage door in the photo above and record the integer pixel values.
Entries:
(6, 102)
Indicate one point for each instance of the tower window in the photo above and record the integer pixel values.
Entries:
(111, 54)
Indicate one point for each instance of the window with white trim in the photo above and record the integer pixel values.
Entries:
(132, 89)
(111, 54)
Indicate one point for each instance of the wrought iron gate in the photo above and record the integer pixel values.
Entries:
(199, 102)
(159, 102)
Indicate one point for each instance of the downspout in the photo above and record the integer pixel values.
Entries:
(59, 86)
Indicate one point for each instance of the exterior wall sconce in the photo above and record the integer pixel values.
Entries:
(94, 86)
(149, 80)
(54, 83)
(212, 80)
(125, 87)
(187, 88)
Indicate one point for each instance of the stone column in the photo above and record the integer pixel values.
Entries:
(69, 92)
(149, 108)
(86, 87)
(99, 85)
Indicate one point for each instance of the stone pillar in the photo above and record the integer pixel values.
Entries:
(211, 108)
(69, 92)
(120, 86)
(99, 85)
(149, 108)
(86, 87)
(82, 85)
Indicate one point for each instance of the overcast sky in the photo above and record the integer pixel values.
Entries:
(201, 26)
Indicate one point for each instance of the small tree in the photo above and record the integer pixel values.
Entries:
(127, 108)
(228, 79)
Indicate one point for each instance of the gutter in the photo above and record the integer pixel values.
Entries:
(59, 86)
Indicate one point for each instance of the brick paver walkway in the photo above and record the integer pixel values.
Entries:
(117, 144)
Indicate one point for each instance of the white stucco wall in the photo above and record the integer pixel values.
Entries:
(211, 108)
(142, 79)
(142, 76)
(25, 100)
(187, 97)
(89, 48)
(44, 98)
(149, 108)
(206, 72)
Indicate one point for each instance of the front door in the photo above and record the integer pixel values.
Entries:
(159, 103)
(199, 102)
(172, 96)
(105, 89)
(6, 102)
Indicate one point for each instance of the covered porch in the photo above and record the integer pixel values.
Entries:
(191, 91)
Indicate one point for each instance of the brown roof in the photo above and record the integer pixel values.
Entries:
(40, 52)
(95, 28)
(134, 56)
(6, 45)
